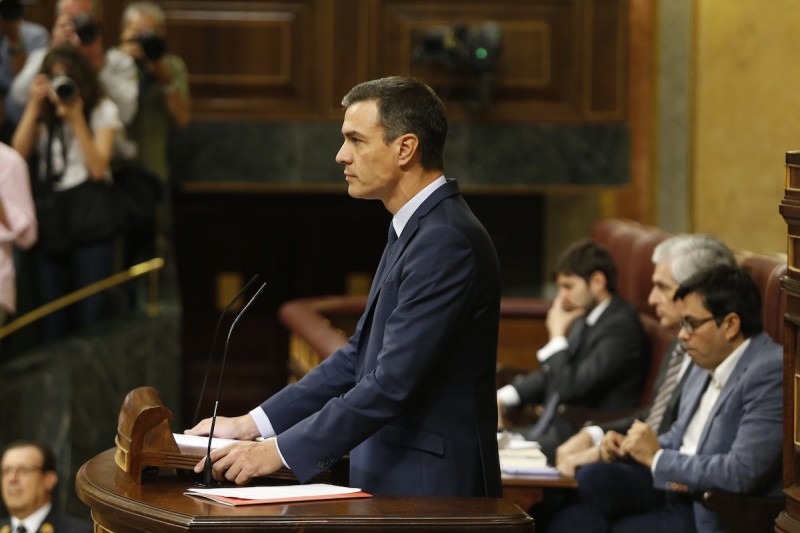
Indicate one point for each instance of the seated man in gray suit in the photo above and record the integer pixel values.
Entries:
(596, 356)
(728, 433)
(676, 260)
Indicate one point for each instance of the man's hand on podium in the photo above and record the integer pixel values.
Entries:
(240, 427)
(243, 461)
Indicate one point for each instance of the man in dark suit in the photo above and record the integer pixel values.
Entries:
(28, 471)
(411, 396)
(728, 433)
(596, 355)
(675, 260)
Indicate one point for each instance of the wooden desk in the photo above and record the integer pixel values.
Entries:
(526, 491)
(159, 505)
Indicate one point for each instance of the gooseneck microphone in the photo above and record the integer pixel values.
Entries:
(252, 281)
(207, 471)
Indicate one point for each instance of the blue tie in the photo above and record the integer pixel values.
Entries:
(392, 238)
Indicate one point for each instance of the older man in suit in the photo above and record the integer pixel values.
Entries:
(411, 396)
(28, 471)
(729, 428)
(596, 355)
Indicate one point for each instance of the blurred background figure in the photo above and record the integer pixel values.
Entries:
(70, 126)
(164, 102)
(18, 38)
(163, 106)
(17, 223)
(29, 477)
(74, 25)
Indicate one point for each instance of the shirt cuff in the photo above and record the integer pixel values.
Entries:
(596, 433)
(656, 457)
(277, 447)
(508, 396)
(262, 422)
(555, 345)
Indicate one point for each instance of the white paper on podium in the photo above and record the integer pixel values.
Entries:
(194, 444)
(285, 493)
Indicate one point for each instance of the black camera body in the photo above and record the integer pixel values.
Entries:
(10, 10)
(86, 28)
(65, 87)
(153, 45)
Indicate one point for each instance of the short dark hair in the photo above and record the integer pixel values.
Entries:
(407, 105)
(727, 289)
(584, 258)
(48, 456)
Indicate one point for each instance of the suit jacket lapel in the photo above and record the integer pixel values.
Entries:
(692, 392)
(387, 261)
(754, 347)
(580, 332)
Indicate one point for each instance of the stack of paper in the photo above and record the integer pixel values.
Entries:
(195, 445)
(525, 461)
(284, 493)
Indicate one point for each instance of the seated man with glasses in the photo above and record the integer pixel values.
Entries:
(728, 433)
(28, 475)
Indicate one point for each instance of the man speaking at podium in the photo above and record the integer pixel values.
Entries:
(411, 396)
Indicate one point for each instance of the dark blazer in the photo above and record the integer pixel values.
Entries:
(741, 443)
(60, 522)
(621, 425)
(603, 367)
(412, 394)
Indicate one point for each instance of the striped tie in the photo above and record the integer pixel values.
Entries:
(664, 393)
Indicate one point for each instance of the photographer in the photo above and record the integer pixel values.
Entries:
(163, 106)
(74, 25)
(18, 37)
(164, 102)
(70, 125)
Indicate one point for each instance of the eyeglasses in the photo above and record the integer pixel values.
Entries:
(22, 470)
(691, 324)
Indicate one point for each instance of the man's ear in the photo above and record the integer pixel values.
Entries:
(50, 480)
(733, 325)
(407, 147)
(598, 282)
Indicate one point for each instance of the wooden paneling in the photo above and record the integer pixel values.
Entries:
(538, 70)
(560, 60)
(249, 58)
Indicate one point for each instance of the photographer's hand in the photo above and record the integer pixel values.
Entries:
(24, 139)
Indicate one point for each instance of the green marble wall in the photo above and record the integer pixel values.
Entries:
(476, 154)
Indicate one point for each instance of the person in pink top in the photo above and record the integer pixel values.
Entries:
(17, 223)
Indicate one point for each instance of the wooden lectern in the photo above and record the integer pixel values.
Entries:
(144, 437)
(122, 500)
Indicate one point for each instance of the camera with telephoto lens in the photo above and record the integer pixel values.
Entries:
(86, 28)
(65, 87)
(10, 10)
(153, 45)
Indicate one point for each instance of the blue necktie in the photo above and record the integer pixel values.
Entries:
(392, 237)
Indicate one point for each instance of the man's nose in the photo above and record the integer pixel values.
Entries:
(342, 156)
